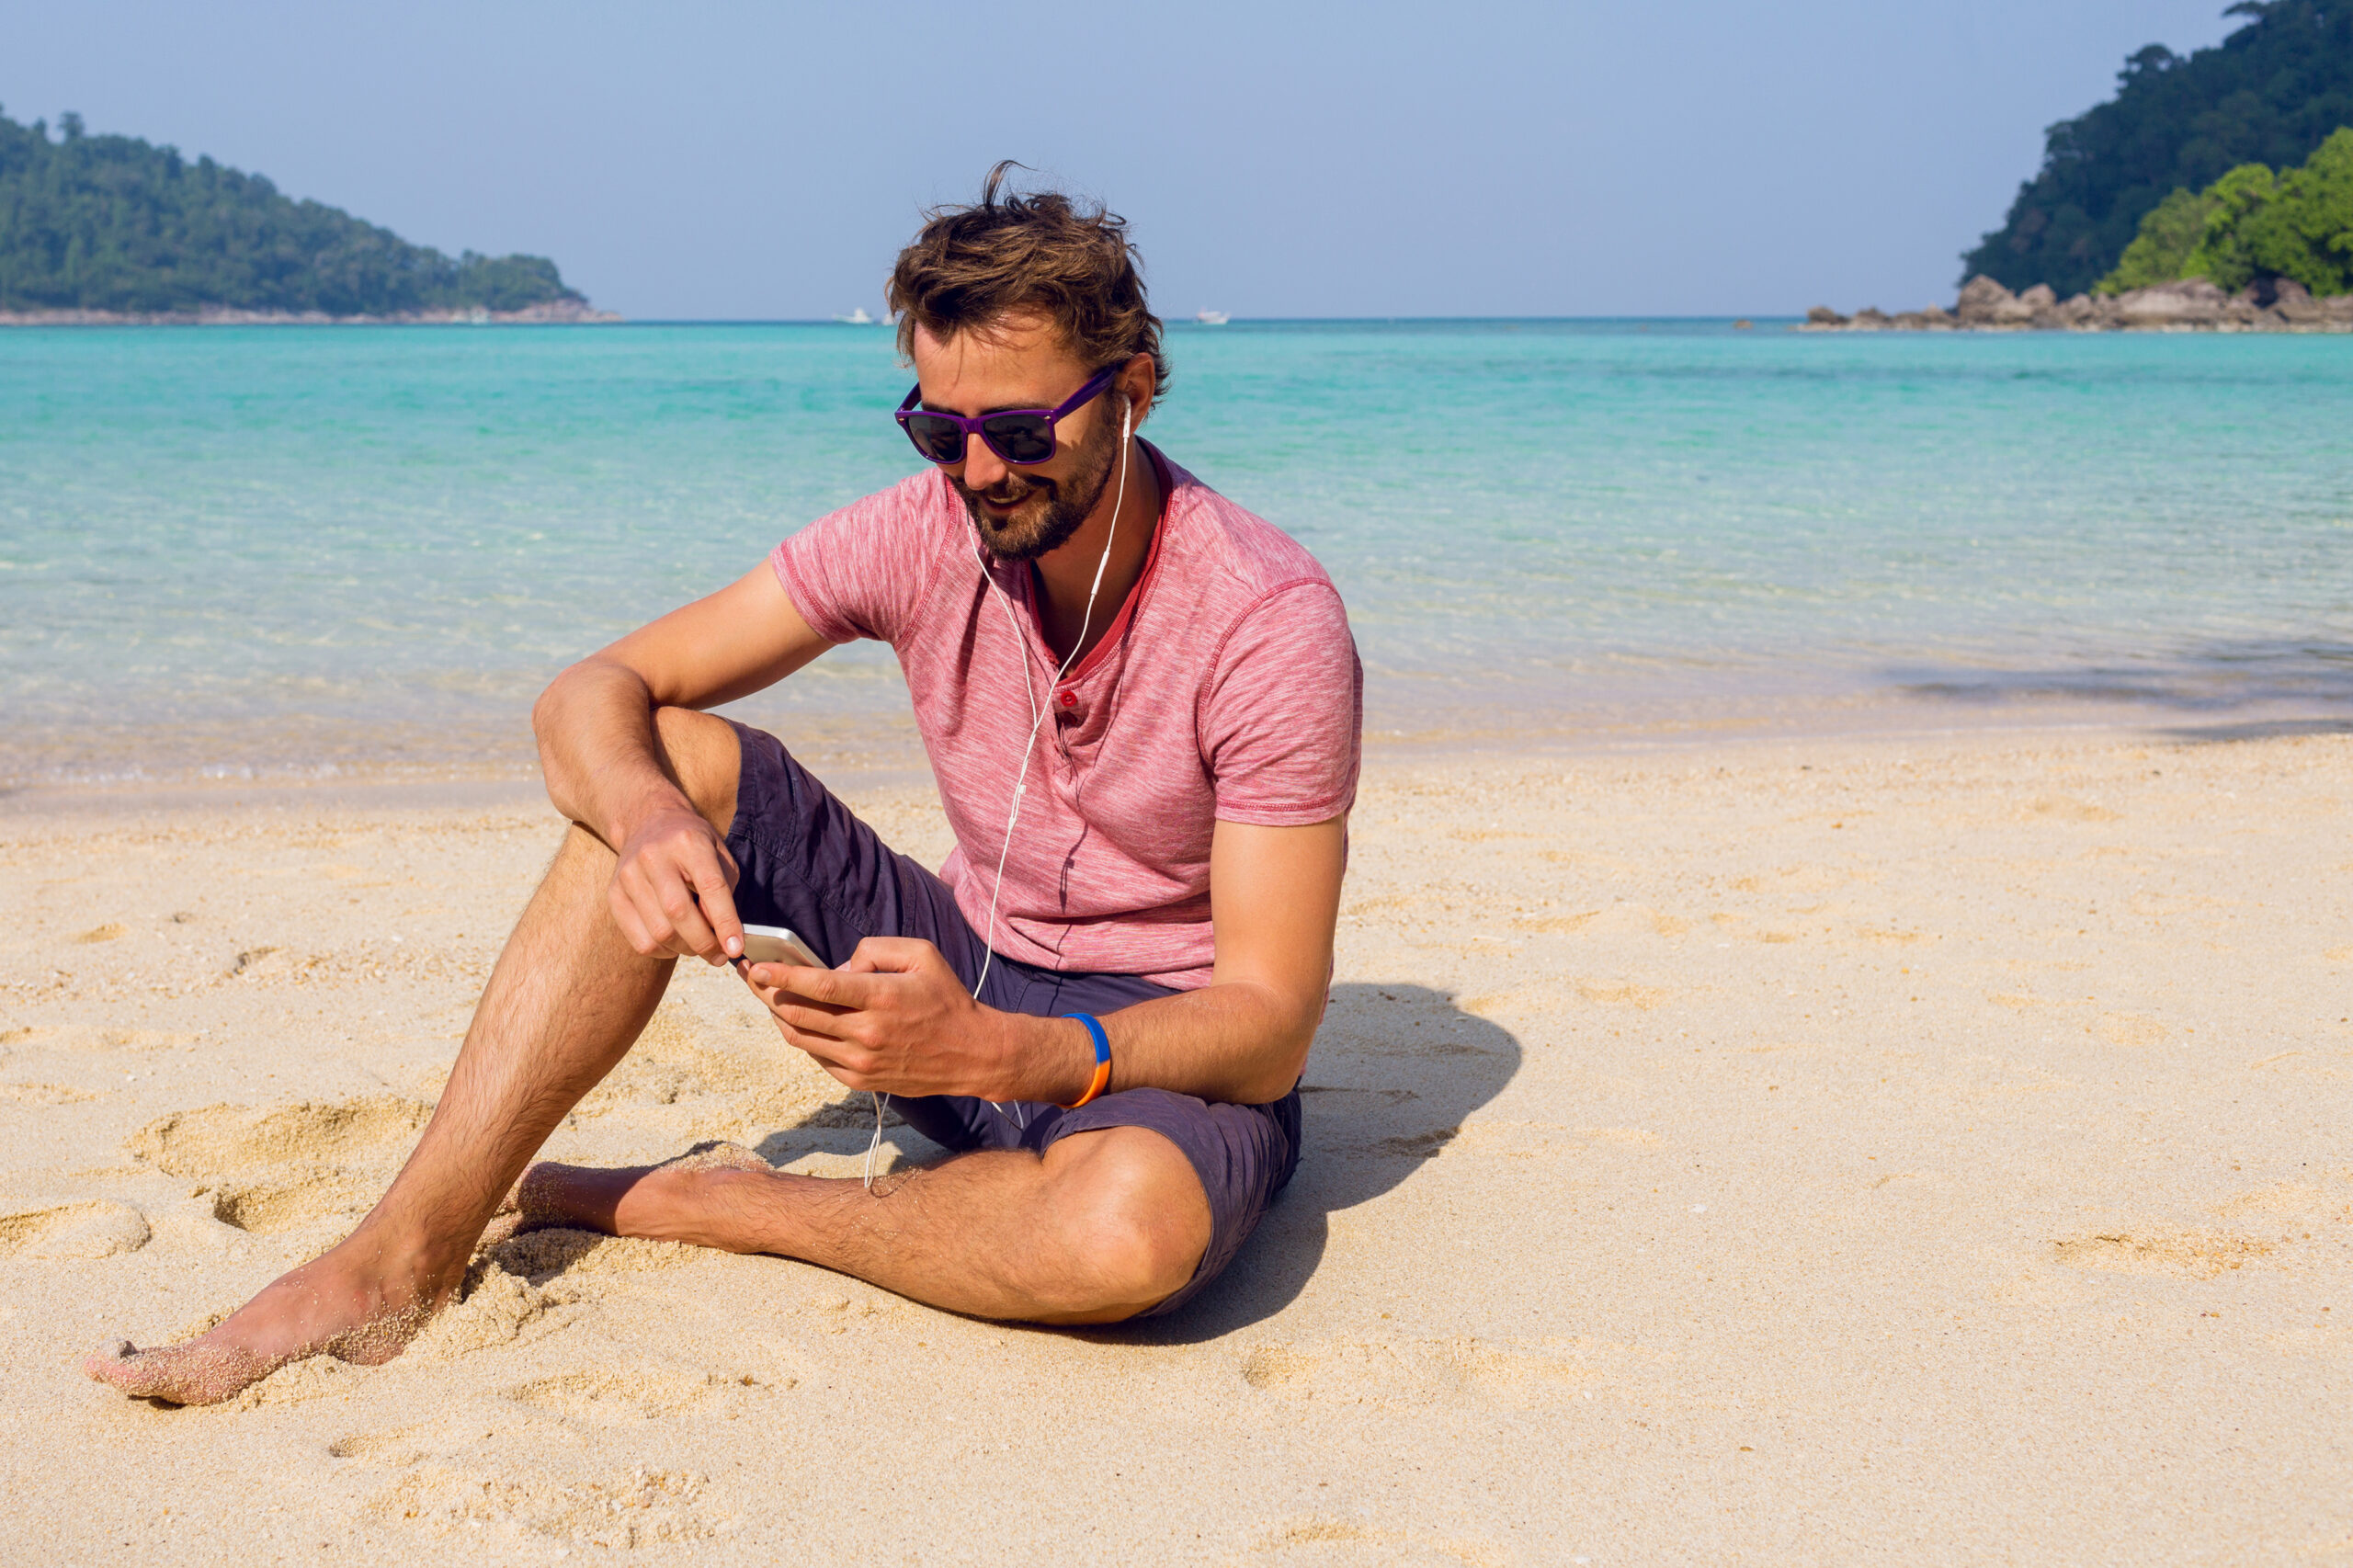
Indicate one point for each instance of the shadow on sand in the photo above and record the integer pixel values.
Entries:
(2225, 690)
(1395, 1071)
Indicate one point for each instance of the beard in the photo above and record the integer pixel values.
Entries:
(1039, 515)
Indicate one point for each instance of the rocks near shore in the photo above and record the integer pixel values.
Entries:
(551, 310)
(2192, 305)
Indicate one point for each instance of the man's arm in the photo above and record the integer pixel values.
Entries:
(595, 724)
(896, 1018)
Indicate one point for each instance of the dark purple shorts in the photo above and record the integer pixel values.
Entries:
(809, 863)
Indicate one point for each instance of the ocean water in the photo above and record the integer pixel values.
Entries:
(262, 550)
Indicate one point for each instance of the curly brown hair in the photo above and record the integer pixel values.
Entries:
(971, 265)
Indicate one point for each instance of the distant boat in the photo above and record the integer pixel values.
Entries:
(1211, 318)
(855, 318)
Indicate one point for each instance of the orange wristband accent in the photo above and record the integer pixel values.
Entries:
(1102, 1060)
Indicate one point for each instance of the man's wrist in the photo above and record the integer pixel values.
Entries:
(1055, 1059)
(641, 806)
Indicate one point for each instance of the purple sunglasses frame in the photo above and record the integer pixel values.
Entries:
(978, 424)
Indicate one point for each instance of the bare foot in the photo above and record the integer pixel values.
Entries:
(655, 1202)
(334, 1305)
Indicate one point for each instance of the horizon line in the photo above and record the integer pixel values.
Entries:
(1231, 320)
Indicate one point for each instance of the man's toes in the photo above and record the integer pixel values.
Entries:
(183, 1374)
(118, 1363)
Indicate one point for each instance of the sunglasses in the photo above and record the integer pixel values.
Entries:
(1024, 436)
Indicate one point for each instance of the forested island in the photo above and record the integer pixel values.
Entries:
(2270, 93)
(2213, 192)
(97, 229)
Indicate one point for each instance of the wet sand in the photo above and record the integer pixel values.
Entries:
(1926, 1149)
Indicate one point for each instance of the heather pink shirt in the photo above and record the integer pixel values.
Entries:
(1227, 688)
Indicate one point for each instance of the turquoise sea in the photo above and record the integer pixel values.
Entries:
(264, 551)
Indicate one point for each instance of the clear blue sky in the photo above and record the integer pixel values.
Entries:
(1375, 158)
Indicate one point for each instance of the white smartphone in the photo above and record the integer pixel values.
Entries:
(774, 944)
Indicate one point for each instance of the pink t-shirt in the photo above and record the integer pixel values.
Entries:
(1227, 687)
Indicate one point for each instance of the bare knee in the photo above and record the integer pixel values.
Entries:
(1133, 1222)
(704, 757)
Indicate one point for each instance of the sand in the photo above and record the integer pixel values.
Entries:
(1925, 1150)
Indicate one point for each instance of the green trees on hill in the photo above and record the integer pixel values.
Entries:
(2268, 93)
(2251, 223)
(112, 223)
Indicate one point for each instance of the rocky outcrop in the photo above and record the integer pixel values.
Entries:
(545, 312)
(2191, 305)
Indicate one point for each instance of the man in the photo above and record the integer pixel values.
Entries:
(1141, 705)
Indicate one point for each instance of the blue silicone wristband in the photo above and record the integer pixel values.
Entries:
(1094, 1027)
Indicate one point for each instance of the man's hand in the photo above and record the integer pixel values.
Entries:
(596, 724)
(897, 1021)
(673, 890)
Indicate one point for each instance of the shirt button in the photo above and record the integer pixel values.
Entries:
(1069, 700)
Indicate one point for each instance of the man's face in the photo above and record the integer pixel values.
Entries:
(1022, 511)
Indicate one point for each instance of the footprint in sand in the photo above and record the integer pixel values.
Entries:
(99, 1228)
(2178, 1254)
(644, 1508)
(227, 1139)
(269, 1171)
(271, 1208)
(1421, 1373)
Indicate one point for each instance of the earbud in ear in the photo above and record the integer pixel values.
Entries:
(1127, 412)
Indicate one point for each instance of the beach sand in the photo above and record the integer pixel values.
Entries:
(1928, 1150)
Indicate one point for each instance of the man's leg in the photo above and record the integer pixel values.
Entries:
(565, 1002)
(1104, 1226)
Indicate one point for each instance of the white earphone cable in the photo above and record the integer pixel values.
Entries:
(1021, 776)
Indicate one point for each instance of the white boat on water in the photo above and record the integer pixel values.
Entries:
(855, 318)
(1211, 318)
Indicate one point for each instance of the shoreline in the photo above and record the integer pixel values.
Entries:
(887, 747)
(908, 780)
